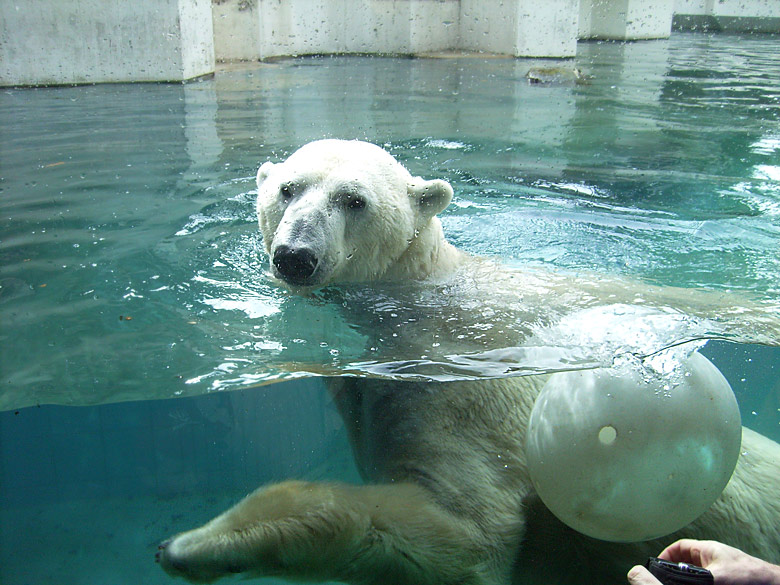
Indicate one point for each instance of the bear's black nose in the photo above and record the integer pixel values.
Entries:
(295, 265)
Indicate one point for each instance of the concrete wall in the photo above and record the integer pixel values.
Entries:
(735, 8)
(728, 15)
(271, 28)
(625, 19)
(93, 41)
(236, 30)
(293, 27)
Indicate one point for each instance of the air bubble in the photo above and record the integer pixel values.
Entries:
(607, 435)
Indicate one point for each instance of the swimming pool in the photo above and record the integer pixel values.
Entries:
(130, 270)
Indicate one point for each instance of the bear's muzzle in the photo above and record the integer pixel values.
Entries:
(295, 265)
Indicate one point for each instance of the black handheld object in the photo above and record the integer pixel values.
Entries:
(670, 573)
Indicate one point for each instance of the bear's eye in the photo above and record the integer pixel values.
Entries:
(356, 202)
(286, 191)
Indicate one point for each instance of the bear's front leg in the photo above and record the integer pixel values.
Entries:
(318, 532)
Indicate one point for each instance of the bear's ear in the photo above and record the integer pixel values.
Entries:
(263, 171)
(431, 197)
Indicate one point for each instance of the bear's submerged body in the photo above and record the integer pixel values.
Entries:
(448, 498)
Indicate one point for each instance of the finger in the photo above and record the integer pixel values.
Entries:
(640, 576)
(682, 551)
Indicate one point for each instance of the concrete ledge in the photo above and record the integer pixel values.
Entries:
(728, 24)
(305, 27)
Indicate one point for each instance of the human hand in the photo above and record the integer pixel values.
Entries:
(728, 565)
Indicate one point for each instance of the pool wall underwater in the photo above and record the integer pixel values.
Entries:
(88, 493)
(233, 441)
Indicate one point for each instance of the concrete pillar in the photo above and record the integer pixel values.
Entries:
(625, 20)
(522, 28)
(46, 42)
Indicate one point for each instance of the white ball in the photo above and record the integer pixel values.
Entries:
(626, 455)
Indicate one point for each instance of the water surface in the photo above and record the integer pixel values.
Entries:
(132, 267)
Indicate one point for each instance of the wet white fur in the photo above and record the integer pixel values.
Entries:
(448, 498)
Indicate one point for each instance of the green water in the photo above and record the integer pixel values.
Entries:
(131, 268)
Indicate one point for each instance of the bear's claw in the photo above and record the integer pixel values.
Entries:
(160, 548)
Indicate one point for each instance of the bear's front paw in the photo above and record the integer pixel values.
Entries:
(172, 564)
(183, 556)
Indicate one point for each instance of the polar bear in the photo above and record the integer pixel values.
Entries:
(448, 498)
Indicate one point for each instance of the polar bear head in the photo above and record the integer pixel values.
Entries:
(347, 211)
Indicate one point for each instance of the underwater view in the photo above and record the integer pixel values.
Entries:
(152, 371)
